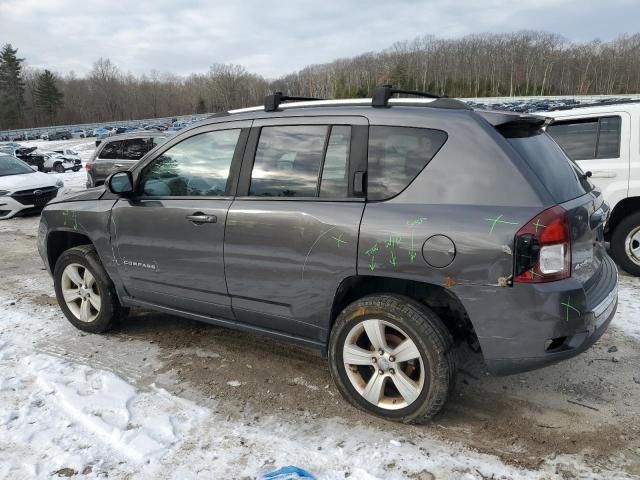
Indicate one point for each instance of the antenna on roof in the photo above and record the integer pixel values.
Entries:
(382, 94)
(273, 101)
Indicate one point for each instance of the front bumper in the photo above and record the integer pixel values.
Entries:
(568, 321)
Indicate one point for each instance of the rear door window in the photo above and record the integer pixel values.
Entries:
(588, 138)
(397, 155)
(111, 151)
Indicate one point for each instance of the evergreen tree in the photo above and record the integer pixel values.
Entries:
(48, 96)
(11, 87)
(201, 107)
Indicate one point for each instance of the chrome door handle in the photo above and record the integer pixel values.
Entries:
(202, 218)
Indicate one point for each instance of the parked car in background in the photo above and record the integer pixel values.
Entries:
(23, 190)
(78, 133)
(61, 135)
(69, 153)
(377, 231)
(101, 132)
(119, 153)
(26, 154)
(59, 163)
(604, 140)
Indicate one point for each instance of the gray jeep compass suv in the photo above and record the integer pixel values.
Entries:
(379, 231)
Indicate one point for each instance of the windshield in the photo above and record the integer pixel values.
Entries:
(12, 166)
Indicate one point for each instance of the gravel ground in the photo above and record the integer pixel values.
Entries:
(577, 419)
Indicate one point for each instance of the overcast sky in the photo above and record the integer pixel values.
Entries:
(275, 37)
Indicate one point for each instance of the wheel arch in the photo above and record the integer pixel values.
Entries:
(622, 209)
(59, 241)
(441, 300)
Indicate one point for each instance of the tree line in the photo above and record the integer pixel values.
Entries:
(514, 64)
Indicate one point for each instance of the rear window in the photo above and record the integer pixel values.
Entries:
(397, 155)
(560, 176)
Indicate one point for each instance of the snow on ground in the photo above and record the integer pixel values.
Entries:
(58, 417)
(628, 317)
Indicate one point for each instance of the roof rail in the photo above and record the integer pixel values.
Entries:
(272, 102)
(382, 94)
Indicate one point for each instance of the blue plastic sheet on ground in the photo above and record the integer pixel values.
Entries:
(288, 473)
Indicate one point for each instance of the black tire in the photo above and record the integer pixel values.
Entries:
(429, 335)
(628, 225)
(58, 167)
(110, 309)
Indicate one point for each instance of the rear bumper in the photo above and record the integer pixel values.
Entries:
(568, 322)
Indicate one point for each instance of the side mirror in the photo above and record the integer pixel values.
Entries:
(120, 183)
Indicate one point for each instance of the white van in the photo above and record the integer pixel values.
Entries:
(605, 140)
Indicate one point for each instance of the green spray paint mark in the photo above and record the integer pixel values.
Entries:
(534, 274)
(394, 259)
(372, 264)
(393, 241)
(412, 250)
(416, 221)
(70, 219)
(538, 225)
(339, 240)
(568, 307)
(497, 220)
(372, 254)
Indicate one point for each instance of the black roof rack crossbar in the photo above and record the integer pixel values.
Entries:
(273, 101)
(381, 95)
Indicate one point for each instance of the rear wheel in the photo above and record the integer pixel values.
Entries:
(58, 167)
(85, 292)
(392, 357)
(625, 244)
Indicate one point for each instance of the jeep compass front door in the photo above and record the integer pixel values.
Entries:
(168, 238)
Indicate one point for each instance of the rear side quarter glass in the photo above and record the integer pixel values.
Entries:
(397, 155)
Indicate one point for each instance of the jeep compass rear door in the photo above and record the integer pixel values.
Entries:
(292, 231)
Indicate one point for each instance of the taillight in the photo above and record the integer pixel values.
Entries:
(543, 248)
(88, 166)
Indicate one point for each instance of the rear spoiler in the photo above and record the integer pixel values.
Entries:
(513, 125)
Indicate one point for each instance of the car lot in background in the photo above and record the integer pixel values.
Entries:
(23, 190)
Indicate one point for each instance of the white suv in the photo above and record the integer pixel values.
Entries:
(605, 140)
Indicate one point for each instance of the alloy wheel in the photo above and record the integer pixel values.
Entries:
(383, 364)
(80, 292)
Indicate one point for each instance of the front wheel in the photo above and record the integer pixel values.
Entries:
(625, 244)
(59, 168)
(85, 292)
(392, 357)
